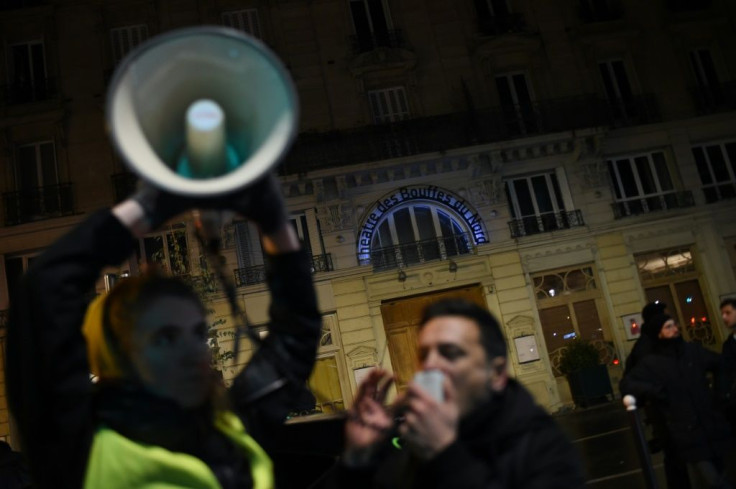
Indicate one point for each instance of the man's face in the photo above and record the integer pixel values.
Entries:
(728, 314)
(452, 345)
(669, 330)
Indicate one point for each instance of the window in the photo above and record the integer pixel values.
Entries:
(642, 184)
(168, 250)
(516, 98)
(27, 70)
(415, 234)
(15, 267)
(36, 166)
(537, 205)
(125, 39)
(38, 192)
(388, 105)
(495, 17)
(703, 67)
(717, 169)
(243, 20)
(372, 24)
(618, 89)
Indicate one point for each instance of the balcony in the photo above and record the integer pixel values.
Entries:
(654, 203)
(716, 98)
(688, 5)
(403, 255)
(457, 130)
(123, 185)
(24, 93)
(497, 25)
(257, 274)
(718, 192)
(363, 43)
(591, 11)
(38, 203)
(544, 223)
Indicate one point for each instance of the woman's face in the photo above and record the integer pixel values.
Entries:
(170, 351)
(669, 330)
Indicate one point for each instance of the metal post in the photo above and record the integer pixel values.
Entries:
(641, 443)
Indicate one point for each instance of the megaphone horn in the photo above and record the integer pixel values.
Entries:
(202, 111)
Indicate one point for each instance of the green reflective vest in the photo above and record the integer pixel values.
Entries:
(116, 462)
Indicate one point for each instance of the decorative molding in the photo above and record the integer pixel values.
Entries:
(336, 217)
(382, 59)
(595, 174)
(362, 356)
(520, 321)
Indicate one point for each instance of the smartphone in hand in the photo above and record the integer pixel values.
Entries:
(431, 381)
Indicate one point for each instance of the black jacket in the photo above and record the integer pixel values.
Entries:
(509, 442)
(728, 379)
(673, 377)
(57, 408)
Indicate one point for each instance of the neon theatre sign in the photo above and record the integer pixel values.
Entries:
(425, 193)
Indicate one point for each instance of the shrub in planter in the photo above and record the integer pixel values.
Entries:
(587, 376)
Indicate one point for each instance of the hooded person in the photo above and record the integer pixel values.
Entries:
(673, 377)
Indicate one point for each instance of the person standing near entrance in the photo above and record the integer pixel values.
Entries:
(673, 379)
(484, 431)
(728, 356)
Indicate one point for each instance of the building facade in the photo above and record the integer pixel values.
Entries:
(560, 163)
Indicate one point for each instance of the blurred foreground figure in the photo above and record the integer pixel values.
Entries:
(673, 378)
(486, 432)
(157, 417)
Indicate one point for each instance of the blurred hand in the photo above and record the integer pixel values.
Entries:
(368, 420)
(159, 206)
(261, 202)
(430, 426)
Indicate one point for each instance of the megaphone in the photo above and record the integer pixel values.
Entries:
(159, 82)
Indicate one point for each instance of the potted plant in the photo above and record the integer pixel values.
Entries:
(587, 376)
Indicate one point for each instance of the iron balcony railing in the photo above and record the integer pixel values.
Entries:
(403, 255)
(497, 25)
(363, 43)
(257, 274)
(25, 92)
(600, 11)
(544, 223)
(38, 203)
(719, 191)
(123, 185)
(653, 203)
(457, 130)
(715, 98)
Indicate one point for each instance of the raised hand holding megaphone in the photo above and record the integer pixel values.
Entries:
(202, 112)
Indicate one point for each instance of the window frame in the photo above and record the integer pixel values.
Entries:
(366, 6)
(383, 96)
(141, 30)
(612, 162)
(12, 75)
(248, 21)
(173, 230)
(514, 204)
(715, 184)
(40, 180)
(699, 73)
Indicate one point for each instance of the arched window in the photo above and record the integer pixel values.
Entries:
(417, 233)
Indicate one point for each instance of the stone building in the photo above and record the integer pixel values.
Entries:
(561, 163)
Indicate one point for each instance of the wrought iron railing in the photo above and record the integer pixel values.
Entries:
(321, 263)
(257, 274)
(597, 11)
(719, 191)
(123, 185)
(362, 43)
(715, 98)
(688, 5)
(38, 203)
(25, 92)
(457, 130)
(544, 223)
(653, 203)
(501, 24)
(402, 255)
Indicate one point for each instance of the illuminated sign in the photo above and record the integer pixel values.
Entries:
(425, 193)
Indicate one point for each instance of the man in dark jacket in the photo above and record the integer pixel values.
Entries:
(484, 431)
(643, 345)
(728, 356)
(673, 378)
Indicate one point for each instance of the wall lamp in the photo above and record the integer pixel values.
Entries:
(402, 276)
(452, 266)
